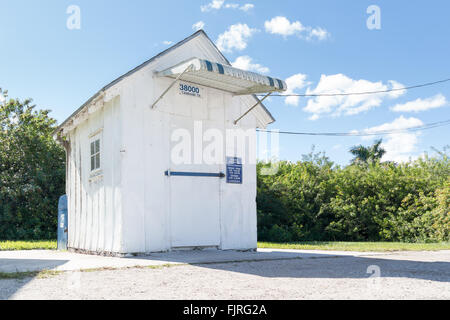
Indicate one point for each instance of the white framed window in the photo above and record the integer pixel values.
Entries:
(95, 154)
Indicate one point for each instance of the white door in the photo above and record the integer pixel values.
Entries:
(194, 200)
(194, 211)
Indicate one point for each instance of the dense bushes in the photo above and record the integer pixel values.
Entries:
(315, 200)
(31, 172)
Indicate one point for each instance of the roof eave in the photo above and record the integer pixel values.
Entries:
(142, 65)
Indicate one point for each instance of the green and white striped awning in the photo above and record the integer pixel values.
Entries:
(223, 77)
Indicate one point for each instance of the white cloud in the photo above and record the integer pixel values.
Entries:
(317, 33)
(235, 37)
(245, 63)
(2, 98)
(418, 105)
(282, 26)
(232, 6)
(167, 43)
(398, 124)
(219, 4)
(246, 7)
(396, 86)
(348, 105)
(295, 82)
(213, 5)
(198, 25)
(402, 146)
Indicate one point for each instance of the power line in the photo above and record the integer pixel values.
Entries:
(359, 93)
(358, 134)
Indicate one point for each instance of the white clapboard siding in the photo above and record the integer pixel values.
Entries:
(130, 207)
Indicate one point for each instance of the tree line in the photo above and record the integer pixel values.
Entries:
(32, 171)
(368, 200)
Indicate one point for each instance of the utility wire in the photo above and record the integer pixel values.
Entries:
(358, 134)
(359, 93)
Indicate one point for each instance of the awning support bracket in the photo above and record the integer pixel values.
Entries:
(189, 67)
(247, 112)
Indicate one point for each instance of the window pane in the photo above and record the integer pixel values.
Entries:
(92, 163)
(97, 146)
(97, 161)
(92, 148)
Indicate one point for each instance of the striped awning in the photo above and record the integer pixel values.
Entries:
(223, 77)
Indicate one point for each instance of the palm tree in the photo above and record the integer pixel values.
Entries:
(368, 154)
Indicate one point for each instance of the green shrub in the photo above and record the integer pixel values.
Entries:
(314, 200)
(32, 173)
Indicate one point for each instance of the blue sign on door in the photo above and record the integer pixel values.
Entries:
(234, 170)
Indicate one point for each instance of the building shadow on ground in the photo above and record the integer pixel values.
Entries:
(16, 273)
(316, 265)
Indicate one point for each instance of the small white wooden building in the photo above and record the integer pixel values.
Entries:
(125, 192)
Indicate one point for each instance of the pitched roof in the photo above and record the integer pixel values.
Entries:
(109, 85)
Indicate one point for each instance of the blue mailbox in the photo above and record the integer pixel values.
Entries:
(62, 223)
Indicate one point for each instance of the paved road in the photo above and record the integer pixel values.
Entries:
(405, 275)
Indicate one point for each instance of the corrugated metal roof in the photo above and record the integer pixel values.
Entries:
(223, 77)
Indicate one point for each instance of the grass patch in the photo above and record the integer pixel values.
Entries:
(18, 275)
(357, 246)
(311, 245)
(27, 245)
(50, 273)
(29, 274)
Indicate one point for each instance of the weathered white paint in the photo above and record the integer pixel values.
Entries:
(94, 202)
(130, 206)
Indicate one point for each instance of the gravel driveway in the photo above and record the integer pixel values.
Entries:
(404, 275)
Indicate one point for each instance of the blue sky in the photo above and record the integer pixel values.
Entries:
(319, 46)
